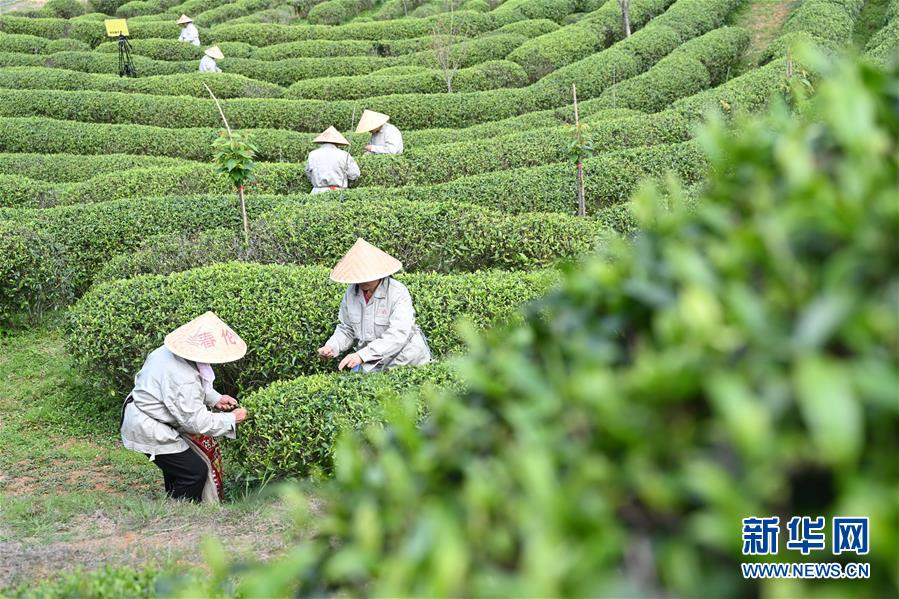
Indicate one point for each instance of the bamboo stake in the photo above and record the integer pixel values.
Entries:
(581, 199)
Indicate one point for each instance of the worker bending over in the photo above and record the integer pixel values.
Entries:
(329, 167)
(207, 63)
(189, 31)
(385, 138)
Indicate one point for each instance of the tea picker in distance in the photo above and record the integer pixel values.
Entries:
(207, 63)
(376, 313)
(328, 167)
(385, 138)
(189, 31)
(168, 417)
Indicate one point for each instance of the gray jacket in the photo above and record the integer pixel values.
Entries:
(207, 65)
(388, 140)
(169, 399)
(384, 328)
(330, 166)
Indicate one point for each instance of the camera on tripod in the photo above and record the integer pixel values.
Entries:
(119, 28)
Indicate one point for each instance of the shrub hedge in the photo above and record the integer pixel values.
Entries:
(284, 313)
(171, 50)
(296, 423)
(468, 53)
(597, 30)
(493, 74)
(734, 359)
(231, 10)
(32, 44)
(434, 236)
(326, 48)
(690, 68)
(70, 168)
(750, 92)
(89, 31)
(36, 134)
(829, 23)
(884, 44)
(335, 12)
(224, 85)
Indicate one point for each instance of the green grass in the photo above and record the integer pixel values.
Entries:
(73, 498)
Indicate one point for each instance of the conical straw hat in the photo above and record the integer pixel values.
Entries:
(184, 20)
(331, 136)
(363, 263)
(371, 120)
(206, 339)
(214, 52)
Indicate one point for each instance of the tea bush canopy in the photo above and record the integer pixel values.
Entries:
(735, 358)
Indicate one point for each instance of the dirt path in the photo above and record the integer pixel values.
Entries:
(764, 18)
(72, 498)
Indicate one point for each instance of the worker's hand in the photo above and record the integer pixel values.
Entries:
(350, 361)
(326, 352)
(368, 148)
(240, 414)
(226, 403)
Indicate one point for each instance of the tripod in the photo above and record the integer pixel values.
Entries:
(126, 65)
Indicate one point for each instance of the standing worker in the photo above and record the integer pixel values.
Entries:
(376, 314)
(328, 167)
(207, 63)
(385, 138)
(168, 417)
(189, 31)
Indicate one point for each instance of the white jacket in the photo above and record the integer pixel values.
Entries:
(384, 328)
(190, 34)
(207, 65)
(168, 399)
(388, 140)
(330, 166)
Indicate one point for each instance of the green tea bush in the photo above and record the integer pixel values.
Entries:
(335, 12)
(51, 136)
(736, 359)
(689, 69)
(65, 9)
(828, 23)
(750, 92)
(596, 31)
(296, 423)
(284, 313)
(489, 75)
(468, 53)
(224, 85)
(326, 48)
(88, 235)
(89, 31)
(435, 236)
(884, 44)
(32, 44)
(69, 168)
(684, 20)
(231, 10)
(470, 24)
(529, 27)
(34, 273)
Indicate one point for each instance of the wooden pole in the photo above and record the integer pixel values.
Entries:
(243, 213)
(581, 200)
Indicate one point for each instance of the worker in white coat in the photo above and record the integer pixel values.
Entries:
(207, 63)
(376, 314)
(328, 167)
(173, 413)
(385, 138)
(189, 31)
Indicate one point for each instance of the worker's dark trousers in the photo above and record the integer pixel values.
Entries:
(184, 473)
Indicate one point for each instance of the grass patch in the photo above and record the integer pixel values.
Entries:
(764, 18)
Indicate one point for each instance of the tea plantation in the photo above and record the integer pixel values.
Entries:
(704, 332)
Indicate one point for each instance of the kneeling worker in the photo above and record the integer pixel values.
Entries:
(167, 415)
(385, 138)
(189, 31)
(376, 313)
(328, 167)
(207, 63)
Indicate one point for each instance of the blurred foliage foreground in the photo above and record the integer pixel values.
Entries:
(733, 360)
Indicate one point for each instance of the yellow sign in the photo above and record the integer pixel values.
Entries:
(116, 27)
